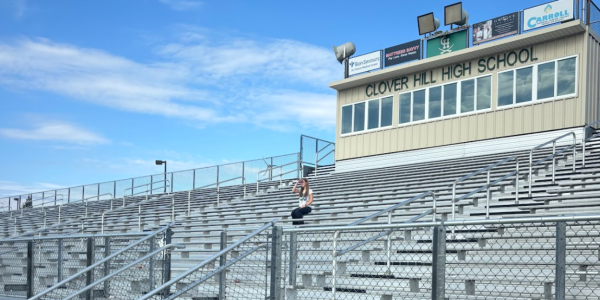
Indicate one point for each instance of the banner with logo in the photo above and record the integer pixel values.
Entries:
(448, 43)
(364, 63)
(496, 28)
(402, 53)
(546, 14)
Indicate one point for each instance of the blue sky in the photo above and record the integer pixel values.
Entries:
(93, 91)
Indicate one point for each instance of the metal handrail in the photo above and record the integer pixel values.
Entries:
(146, 184)
(395, 206)
(389, 211)
(487, 185)
(218, 184)
(146, 191)
(98, 263)
(98, 196)
(584, 139)
(317, 160)
(271, 168)
(54, 196)
(553, 156)
(217, 271)
(207, 261)
(123, 269)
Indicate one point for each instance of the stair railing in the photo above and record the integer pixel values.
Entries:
(584, 140)
(551, 156)
(167, 184)
(317, 159)
(99, 263)
(486, 186)
(389, 212)
(270, 169)
(166, 286)
(53, 197)
(218, 184)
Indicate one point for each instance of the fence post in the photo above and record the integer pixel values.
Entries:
(69, 195)
(59, 260)
(438, 268)
(89, 261)
(293, 258)
(30, 281)
(167, 263)
(222, 262)
(194, 179)
(271, 170)
(152, 183)
(171, 183)
(587, 13)
(561, 253)
(107, 267)
(276, 263)
(98, 192)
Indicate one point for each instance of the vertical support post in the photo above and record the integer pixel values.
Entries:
(83, 193)
(293, 259)
(170, 183)
(574, 151)
(517, 182)
(55, 196)
(89, 261)
(530, 179)
(488, 196)
(334, 265)
(244, 178)
(107, 267)
(152, 183)
(69, 195)
(561, 256)
(222, 262)
(553, 161)
(98, 192)
(30, 276)
(316, 156)
(151, 263)
(132, 182)
(438, 268)
(167, 264)
(389, 247)
(299, 167)
(587, 13)
(194, 179)
(218, 192)
(275, 284)
(114, 193)
(59, 261)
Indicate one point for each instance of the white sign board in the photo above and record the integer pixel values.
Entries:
(547, 14)
(364, 63)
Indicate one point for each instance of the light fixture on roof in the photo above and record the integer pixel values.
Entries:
(455, 14)
(427, 23)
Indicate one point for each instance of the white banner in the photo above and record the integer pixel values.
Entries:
(364, 63)
(547, 14)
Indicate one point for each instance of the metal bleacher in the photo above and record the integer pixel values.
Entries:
(340, 199)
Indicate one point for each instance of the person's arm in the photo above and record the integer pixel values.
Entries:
(294, 190)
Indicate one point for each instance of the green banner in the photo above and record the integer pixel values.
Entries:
(447, 43)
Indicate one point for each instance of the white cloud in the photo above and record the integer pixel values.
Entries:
(10, 188)
(204, 77)
(182, 5)
(55, 131)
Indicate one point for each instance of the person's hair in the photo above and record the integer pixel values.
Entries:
(304, 189)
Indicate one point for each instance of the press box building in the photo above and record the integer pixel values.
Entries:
(512, 93)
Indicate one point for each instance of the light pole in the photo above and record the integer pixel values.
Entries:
(18, 202)
(158, 163)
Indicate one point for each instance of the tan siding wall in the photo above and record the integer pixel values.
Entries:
(593, 79)
(494, 123)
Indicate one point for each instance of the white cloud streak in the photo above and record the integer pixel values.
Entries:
(55, 131)
(10, 188)
(200, 78)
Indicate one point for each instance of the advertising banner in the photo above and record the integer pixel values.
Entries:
(546, 14)
(448, 43)
(496, 28)
(364, 63)
(402, 53)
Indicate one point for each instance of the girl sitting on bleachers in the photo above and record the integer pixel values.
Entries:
(304, 202)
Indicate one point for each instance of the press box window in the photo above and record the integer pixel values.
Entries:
(367, 115)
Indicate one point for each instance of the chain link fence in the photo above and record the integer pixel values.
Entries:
(509, 259)
(239, 271)
(32, 266)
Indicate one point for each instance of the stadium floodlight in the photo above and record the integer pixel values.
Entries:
(455, 14)
(158, 163)
(427, 23)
